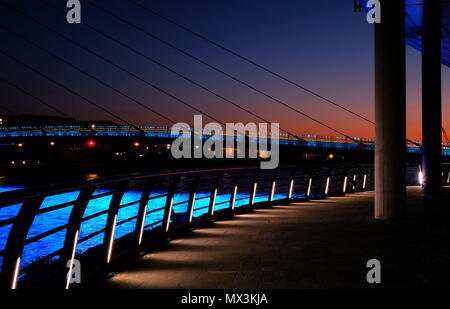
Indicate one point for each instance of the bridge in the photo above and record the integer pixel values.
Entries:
(17, 135)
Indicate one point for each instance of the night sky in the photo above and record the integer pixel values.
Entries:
(322, 45)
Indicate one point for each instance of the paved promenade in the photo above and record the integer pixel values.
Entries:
(318, 244)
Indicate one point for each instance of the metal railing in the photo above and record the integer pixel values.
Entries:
(42, 230)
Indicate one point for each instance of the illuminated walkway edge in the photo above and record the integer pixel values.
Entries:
(316, 244)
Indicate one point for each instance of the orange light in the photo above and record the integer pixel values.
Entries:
(92, 176)
(91, 143)
(331, 156)
(52, 143)
(137, 144)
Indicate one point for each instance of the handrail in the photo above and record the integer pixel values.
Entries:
(138, 207)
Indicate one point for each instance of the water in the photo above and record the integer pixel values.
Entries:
(47, 221)
(8, 188)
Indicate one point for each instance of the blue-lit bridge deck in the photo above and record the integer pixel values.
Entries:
(315, 244)
(301, 140)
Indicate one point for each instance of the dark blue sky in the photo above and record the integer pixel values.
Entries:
(323, 45)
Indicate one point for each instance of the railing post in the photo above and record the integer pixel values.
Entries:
(345, 181)
(15, 242)
(169, 202)
(291, 185)
(73, 228)
(192, 197)
(327, 182)
(234, 192)
(273, 185)
(364, 181)
(142, 211)
(108, 240)
(254, 187)
(309, 184)
(212, 201)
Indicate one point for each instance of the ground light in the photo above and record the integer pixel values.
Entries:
(213, 202)
(91, 143)
(72, 257)
(192, 207)
(327, 185)
(111, 240)
(309, 188)
(141, 230)
(344, 189)
(16, 274)
(233, 198)
(291, 188)
(169, 215)
(272, 191)
(255, 186)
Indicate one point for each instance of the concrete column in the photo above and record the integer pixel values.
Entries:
(390, 111)
(431, 99)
